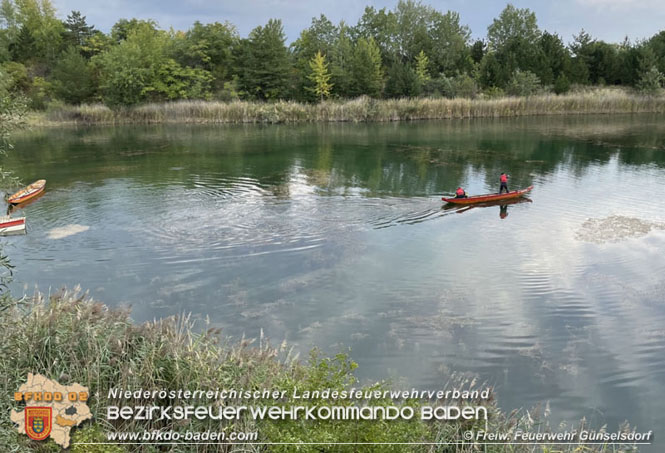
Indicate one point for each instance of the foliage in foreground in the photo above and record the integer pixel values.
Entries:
(12, 112)
(363, 109)
(71, 338)
(12, 115)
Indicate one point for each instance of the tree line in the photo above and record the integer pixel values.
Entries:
(409, 51)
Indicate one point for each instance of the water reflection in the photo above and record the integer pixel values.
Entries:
(16, 208)
(335, 236)
(502, 204)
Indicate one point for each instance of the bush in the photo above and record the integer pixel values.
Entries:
(92, 434)
(72, 78)
(493, 93)
(228, 93)
(651, 82)
(561, 84)
(464, 86)
(439, 86)
(17, 76)
(523, 83)
(402, 82)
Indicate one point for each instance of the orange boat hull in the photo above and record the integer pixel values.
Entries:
(489, 197)
(28, 193)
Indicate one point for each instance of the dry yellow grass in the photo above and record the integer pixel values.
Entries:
(358, 110)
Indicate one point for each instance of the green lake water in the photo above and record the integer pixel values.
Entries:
(334, 235)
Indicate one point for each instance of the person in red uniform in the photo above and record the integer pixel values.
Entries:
(504, 183)
(459, 193)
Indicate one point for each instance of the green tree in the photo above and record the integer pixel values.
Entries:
(603, 63)
(513, 23)
(123, 27)
(478, 51)
(412, 33)
(382, 27)
(124, 73)
(8, 15)
(24, 47)
(449, 50)
(402, 81)
(634, 62)
(651, 81)
(262, 63)
(366, 67)
(128, 67)
(439, 86)
(657, 45)
(8, 28)
(172, 81)
(208, 47)
(96, 44)
(42, 31)
(320, 76)
(513, 46)
(72, 77)
(561, 84)
(319, 37)
(342, 62)
(77, 29)
(422, 68)
(464, 86)
(498, 67)
(581, 56)
(552, 58)
(523, 83)
(17, 79)
(490, 72)
(140, 69)
(12, 113)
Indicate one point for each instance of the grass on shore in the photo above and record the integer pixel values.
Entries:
(605, 100)
(71, 338)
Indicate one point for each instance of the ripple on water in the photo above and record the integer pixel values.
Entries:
(241, 217)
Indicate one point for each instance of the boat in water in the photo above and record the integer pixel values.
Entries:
(24, 204)
(486, 204)
(28, 193)
(488, 197)
(12, 226)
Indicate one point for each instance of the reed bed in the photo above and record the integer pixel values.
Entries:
(363, 109)
(70, 338)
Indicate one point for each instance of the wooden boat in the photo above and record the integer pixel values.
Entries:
(28, 193)
(24, 204)
(9, 225)
(488, 197)
(487, 204)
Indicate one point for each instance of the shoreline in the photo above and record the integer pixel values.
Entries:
(74, 339)
(362, 109)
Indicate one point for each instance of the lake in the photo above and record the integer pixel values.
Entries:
(335, 236)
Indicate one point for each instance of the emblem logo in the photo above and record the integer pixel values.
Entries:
(38, 422)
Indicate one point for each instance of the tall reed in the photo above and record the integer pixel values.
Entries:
(361, 109)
